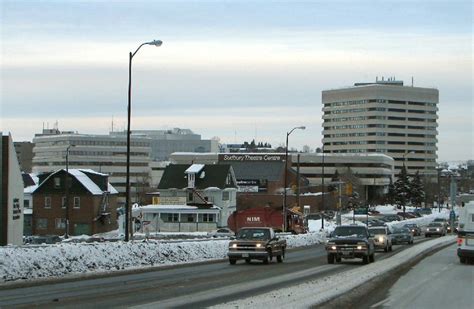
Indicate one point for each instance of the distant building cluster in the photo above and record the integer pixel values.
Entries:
(75, 183)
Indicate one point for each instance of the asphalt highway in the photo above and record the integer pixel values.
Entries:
(192, 285)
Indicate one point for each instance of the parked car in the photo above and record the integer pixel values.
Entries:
(424, 211)
(406, 215)
(393, 217)
(222, 232)
(435, 228)
(38, 240)
(402, 235)
(382, 237)
(415, 229)
(416, 214)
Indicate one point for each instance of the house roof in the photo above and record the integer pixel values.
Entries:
(271, 171)
(30, 183)
(175, 176)
(88, 184)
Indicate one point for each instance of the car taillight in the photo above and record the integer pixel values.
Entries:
(460, 240)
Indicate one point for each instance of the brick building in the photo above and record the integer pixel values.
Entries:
(92, 203)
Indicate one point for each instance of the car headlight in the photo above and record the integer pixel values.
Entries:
(381, 238)
(437, 230)
(259, 245)
(234, 245)
(359, 247)
(333, 247)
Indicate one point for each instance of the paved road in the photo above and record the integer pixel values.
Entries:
(438, 281)
(197, 285)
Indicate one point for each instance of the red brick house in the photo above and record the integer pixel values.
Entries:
(92, 203)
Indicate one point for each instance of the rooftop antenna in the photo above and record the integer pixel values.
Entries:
(376, 79)
(412, 81)
(112, 123)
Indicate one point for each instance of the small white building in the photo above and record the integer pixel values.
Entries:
(174, 218)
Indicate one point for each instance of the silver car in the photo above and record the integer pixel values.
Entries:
(222, 232)
(382, 237)
(435, 228)
(402, 235)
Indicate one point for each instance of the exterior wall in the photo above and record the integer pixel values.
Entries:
(391, 119)
(102, 153)
(82, 220)
(24, 152)
(11, 195)
(250, 200)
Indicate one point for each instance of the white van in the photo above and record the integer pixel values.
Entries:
(466, 233)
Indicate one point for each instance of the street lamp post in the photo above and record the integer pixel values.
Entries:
(66, 185)
(128, 216)
(285, 223)
(405, 157)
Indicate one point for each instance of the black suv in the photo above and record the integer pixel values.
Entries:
(349, 242)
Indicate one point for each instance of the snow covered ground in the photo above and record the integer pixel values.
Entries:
(65, 259)
(316, 292)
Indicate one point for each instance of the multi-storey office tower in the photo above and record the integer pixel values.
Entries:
(383, 117)
(102, 153)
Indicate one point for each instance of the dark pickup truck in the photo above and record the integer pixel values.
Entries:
(349, 242)
(256, 243)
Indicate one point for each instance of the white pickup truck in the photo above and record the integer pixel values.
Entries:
(466, 233)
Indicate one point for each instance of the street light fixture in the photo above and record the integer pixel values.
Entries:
(66, 185)
(405, 155)
(285, 223)
(128, 216)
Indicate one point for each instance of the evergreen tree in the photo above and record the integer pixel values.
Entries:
(402, 189)
(417, 192)
(390, 196)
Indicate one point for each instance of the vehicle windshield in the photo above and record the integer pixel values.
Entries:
(435, 224)
(350, 231)
(410, 225)
(439, 220)
(377, 231)
(253, 234)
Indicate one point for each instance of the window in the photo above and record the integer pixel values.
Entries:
(225, 195)
(57, 182)
(47, 202)
(208, 218)
(188, 217)
(26, 203)
(77, 202)
(42, 224)
(169, 217)
(190, 196)
(60, 223)
(63, 202)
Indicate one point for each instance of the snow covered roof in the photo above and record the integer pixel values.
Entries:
(88, 183)
(33, 179)
(195, 168)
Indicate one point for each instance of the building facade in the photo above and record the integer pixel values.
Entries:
(384, 117)
(11, 194)
(200, 185)
(24, 154)
(164, 142)
(90, 203)
(102, 153)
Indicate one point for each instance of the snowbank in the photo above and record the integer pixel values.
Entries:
(59, 260)
(316, 292)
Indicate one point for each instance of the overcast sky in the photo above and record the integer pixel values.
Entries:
(239, 70)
